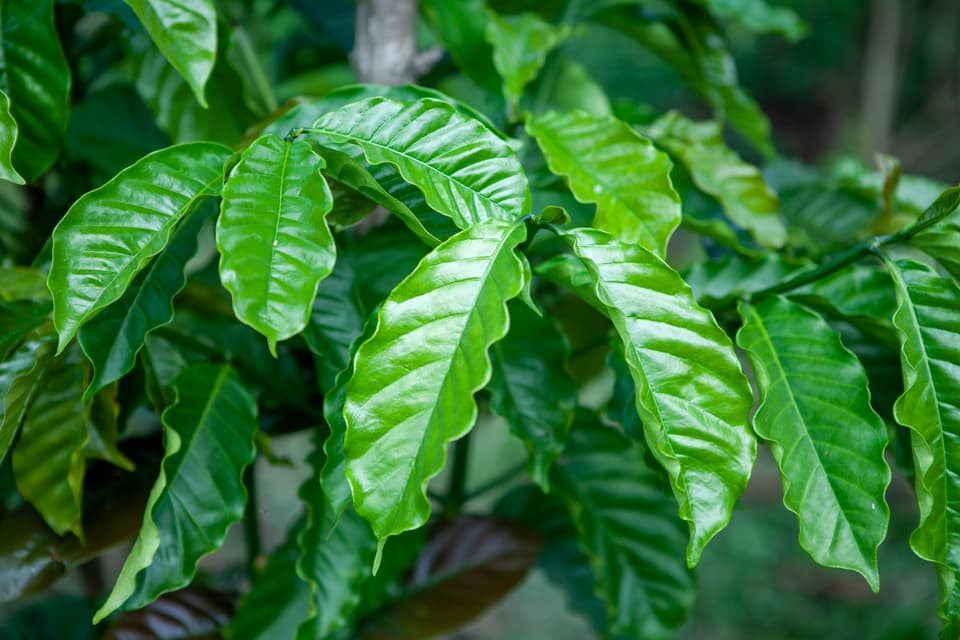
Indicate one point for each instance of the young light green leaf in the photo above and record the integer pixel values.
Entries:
(209, 442)
(521, 44)
(626, 522)
(335, 555)
(112, 339)
(8, 140)
(412, 390)
(720, 172)
(275, 246)
(828, 442)
(110, 234)
(48, 460)
(928, 325)
(530, 388)
(34, 75)
(606, 163)
(186, 34)
(464, 171)
(692, 396)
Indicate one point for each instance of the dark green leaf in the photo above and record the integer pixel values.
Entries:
(716, 283)
(101, 417)
(190, 613)
(461, 27)
(275, 246)
(17, 319)
(112, 339)
(467, 565)
(20, 376)
(8, 140)
(828, 442)
(823, 216)
(186, 34)
(35, 77)
(530, 388)
(110, 234)
(692, 396)
(48, 460)
(942, 242)
(209, 441)
(464, 171)
(336, 320)
(412, 391)
(569, 272)
(607, 163)
(720, 172)
(759, 17)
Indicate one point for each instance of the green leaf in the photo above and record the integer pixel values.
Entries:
(626, 522)
(461, 27)
(199, 493)
(335, 555)
(336, 319)
(35, 77)
(569, 272)
(110, 234)
(275, 246)
(195, 612)
(942, 243)
(720, 172)
(692, 396)
(717, 283)
(18, 319)
(279, 600)
(412, 390)
(828, 442)
(186, 34)
(112, 339)
(467, 565)
(8, 140)
(521, 44)
(464, 171)
(607, 163)
(530, 388)
(928, 325)
(23, 283)
(48, 460)
(20, 377)
(101, 417)
(823, 216)
(757, 16)
(575, 89)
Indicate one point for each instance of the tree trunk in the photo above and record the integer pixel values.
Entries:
(386, 41)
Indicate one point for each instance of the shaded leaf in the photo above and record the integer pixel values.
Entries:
(101, 416)
(717, 283)
(20, 376)
(35, 77)
(607, 163)
(569, 272)
(110, 234)
(575, 89)
(186, 34)
(275, 246)
(530, 388)
(626, 522)
(467, 565)
(828, 442)
(692, 396)
(336, 549)
(188, 614)
(17, 319)
(412, 390)
(928, 326)
(823, 216)
(758, 16)
(520, 45)
(209, 441)
(720, 172)
(464, 171)
(336, 320)
(112, 339)
(48, 461)
(942, 243)
(8, 140)
(461, 27)
(23, 283)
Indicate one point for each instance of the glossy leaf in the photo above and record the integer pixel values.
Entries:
(8, 140)
(605, 162)
(275, 246)
(464, 171)
(569, 272)
(520, 45)
(720, 172)
(20, 376)
(467, 565)
(692, 396)
(112, 339)
(928, 325)
(828, 442)
(186, 34)
(412, 389)
(195, 612)
(531, 389)
(110, 234)
(35, 77)
(279, 600)
(48, 460)
(336, 550)
(626, 522)
(942, 242)
(209, 441)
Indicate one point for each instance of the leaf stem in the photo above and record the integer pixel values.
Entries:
(251, 521)
(456, 493)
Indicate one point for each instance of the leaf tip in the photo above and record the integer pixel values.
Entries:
(379, 555)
